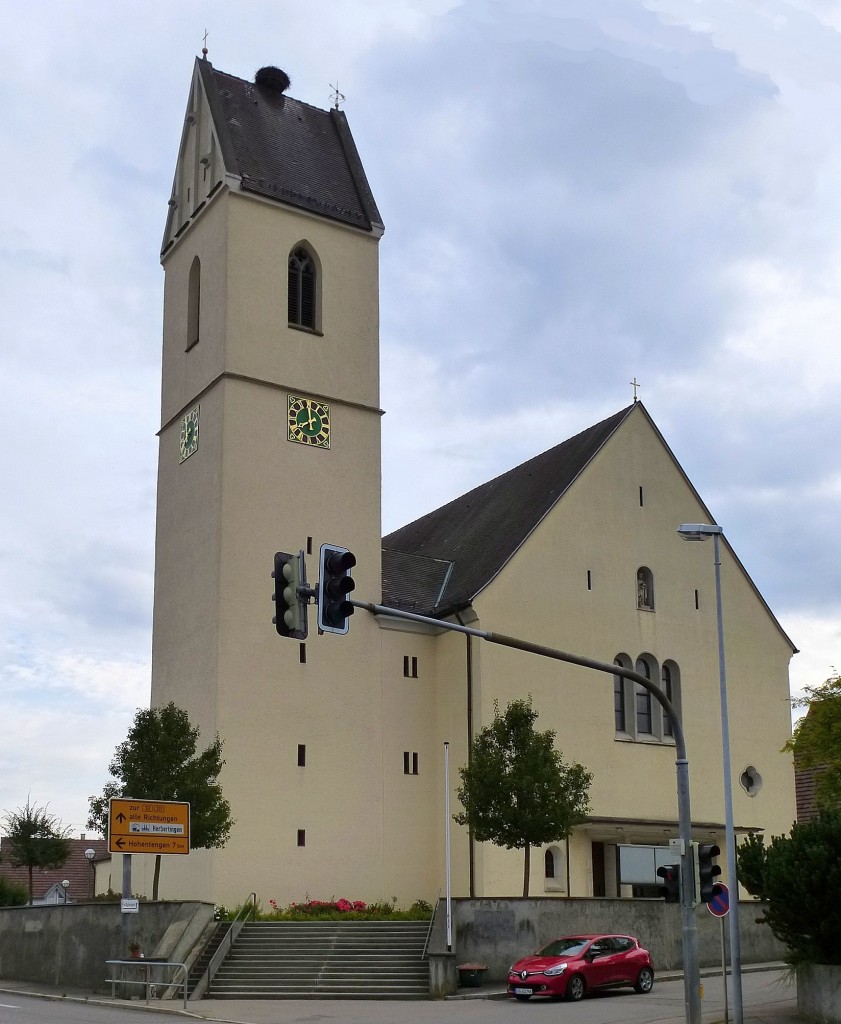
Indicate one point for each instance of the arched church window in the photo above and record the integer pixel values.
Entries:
(194, 304)
(302, 280)
(549, 864)
(620, 713)
(669, 676)
(645, 588)
(643, 700)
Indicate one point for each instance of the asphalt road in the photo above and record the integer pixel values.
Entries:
(768, 998)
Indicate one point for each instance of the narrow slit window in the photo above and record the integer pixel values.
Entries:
(406, 763)
(414, 764)
(589, 580)
(302, 653)
(697, 601)
(302, 755)
(194, 304)
(642, 498)
(302, 837)
(410, 667)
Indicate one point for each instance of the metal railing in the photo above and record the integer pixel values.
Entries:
(149, 981)
(429, 929)
(246, 910)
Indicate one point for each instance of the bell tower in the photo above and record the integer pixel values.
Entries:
(270, 440)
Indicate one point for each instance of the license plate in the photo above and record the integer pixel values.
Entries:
(523, 992)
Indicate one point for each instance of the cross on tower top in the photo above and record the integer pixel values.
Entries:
(635, 384)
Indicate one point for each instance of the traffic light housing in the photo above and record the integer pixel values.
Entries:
(334, 584)
(670, 889)
(705, 871)
(290, 594)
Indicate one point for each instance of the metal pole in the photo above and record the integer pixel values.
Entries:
(125, 927)
(691, 960)
(724, 972)
(730, 834)
(447, 846)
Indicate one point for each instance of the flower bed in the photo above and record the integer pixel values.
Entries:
(340, 910)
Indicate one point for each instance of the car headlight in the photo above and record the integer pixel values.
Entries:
(552, 972)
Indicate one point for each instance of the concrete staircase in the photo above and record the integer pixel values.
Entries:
(325, 960)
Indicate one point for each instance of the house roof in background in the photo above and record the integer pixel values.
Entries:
(76, 869)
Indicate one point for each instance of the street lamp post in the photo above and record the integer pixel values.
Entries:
(65, 885)
(89, 855)
(701, 531)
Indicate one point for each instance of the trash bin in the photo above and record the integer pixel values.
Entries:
(470, 975)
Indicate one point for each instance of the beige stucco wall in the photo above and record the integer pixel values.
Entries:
(222, 513)
(542, 596)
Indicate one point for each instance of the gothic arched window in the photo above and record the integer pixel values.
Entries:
(302, 288)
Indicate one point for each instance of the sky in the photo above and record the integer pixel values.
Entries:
(577, 194)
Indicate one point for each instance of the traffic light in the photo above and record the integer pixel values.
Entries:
(670, 889)
(290, 595)
(705, 871)
(334, 584)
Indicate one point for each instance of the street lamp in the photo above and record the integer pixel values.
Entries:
(65, 885)
(701, 531)
(90, 854)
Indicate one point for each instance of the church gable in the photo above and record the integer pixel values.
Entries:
(479, 532)
(268, 144)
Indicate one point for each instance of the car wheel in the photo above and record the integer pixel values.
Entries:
(522, 999)
(575, 988)
(645, 980)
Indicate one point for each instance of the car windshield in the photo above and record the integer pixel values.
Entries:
(564, 947)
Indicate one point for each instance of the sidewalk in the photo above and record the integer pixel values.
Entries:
(326, 1011)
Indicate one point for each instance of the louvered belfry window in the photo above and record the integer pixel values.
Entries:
(301, 289)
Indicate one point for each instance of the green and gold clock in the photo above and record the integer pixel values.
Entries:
(309, 422)
(189, 433)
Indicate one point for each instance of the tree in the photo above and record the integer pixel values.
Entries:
(516, 790)
(158, 761)
(816, 740)
(799, 879)
(35, 839)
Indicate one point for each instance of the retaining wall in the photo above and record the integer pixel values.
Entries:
(499, 931)
(68, 945)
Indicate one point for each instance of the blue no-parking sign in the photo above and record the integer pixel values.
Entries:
(719, 905)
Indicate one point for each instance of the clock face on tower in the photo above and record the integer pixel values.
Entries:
(309, 422)
(189, 433)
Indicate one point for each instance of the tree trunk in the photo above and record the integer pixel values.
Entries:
(526, 870)
(156, 877)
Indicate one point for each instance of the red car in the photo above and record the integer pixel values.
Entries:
(578, 963)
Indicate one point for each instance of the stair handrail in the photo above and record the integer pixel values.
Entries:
(429, 929)
(245, 911)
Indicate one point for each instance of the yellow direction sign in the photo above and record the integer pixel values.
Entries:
(148, 826)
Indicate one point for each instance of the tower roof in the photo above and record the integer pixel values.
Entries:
(280, 148)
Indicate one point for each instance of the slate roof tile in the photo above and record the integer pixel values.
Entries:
(289, 150)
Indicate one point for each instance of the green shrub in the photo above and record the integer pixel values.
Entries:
(798, 878)
(12, 894)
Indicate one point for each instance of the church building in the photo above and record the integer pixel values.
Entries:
(270, 441)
